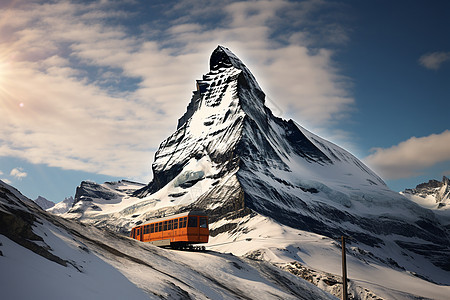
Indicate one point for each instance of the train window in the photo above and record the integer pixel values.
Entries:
(137, 231)
(146, 229)
(169, 224)
(165, 225)
(184, 222)
(132, 233)
(175, 224)
(160, 226)
(192, 222)
(156, 227)
(203, 222)
(152, 228)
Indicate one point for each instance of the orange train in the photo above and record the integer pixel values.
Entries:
(177, 231)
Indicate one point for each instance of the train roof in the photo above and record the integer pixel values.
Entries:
(184, 214)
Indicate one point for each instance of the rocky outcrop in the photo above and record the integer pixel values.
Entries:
(437, 191)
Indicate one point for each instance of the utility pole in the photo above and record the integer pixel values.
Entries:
(344, 271)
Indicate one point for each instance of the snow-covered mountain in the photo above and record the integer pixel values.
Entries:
(43, 256)
(433, 194)
(44, 203)
(61, 207)
(277, 190)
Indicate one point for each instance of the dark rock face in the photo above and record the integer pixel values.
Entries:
(17, 226)
(302, 146)
(430, 184)
(93, 190)
(219, 59)
(428, 187)
(437, 254)
(17, 221)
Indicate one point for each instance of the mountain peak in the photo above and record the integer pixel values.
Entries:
(44, 203)
(222, 57)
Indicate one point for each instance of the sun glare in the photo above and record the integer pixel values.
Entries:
(2, 74)
(6, 99)
(3, 70)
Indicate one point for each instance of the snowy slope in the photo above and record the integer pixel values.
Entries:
(61, 207)
(231, 157)
(376, 274)
(46, 257)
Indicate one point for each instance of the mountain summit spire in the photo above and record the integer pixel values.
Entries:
(220, 58)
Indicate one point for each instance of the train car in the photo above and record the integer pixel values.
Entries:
(177, 231)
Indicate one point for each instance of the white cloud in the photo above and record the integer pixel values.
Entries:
(411, 157)
(18, 173)
(110, 119)
(434, 60)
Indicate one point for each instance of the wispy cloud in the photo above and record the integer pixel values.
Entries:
(18, 173)
(411, 157)
(80, 90)
(434, 61)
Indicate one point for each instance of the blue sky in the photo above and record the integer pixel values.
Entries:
(89, 89)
